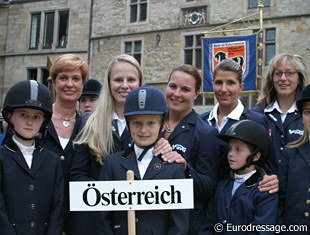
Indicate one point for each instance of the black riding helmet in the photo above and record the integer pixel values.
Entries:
(91, 87)
(303, 97)
(253, 133)
(28, 94)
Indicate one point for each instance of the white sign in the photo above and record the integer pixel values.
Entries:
(131, 195)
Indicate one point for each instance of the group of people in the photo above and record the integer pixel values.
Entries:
(238, 158)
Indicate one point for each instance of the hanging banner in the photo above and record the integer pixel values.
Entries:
(241, 49)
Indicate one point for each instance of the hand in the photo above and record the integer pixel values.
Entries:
(173, 156)
(162, 147)
(269, 183)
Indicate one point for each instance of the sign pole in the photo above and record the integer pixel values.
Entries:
(131, 213)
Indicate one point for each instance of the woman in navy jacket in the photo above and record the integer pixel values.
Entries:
(68, 73)
(227, 85)
(193, 139)
(284, 81)
(294, 172)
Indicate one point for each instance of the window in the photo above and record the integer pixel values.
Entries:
(63, 28)
(35, 30)
(32, 74)
(270, 44)
(254, 3)
(44, 76)
(192, 50)
(134, 48)
(138, 10)
(48, 30)
(52, 37)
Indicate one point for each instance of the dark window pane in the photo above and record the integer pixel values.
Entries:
(252, 3)
(44, 74)
(134, 1)
(133, 13)
(35, 30)
(138, 57)
(267, 3)
(138, 46)
(48, 30)
(270, 52)
(128, 46)
(198, 40)
(270, 34)
(188, 56)
(198, 59)
(199, 100)
(189, 41)
(143, 12)
(32, 74)
(63, 28)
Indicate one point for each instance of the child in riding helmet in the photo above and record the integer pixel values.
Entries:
(145, 108)
(238, 201)
(31, 179)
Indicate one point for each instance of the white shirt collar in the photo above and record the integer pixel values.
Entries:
(235, 115)
(145, 161)
(121, 124)
(244, 177)
(275, 105)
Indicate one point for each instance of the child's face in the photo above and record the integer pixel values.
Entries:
(306, 115)
(237, 155)
(144, 129)
(27, 122)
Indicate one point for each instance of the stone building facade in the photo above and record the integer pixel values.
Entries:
(161, 34)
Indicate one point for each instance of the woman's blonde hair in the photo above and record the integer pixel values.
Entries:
(268, 93)
(69, 62)
(97, 132)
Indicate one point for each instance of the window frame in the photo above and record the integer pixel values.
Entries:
(267, 43)
(251, 6)
(139, 13)
(133, 52)
(62, 42)
(35, 35)
(195, 48)
(48, 30)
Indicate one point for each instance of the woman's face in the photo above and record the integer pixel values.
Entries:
(227, 87)
(124, 77)
(180, 92)
(69, 85)
(286, 81)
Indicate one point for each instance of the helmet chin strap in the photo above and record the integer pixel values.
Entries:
(249, 161)
(27, 139)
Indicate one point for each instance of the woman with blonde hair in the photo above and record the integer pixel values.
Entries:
(284, 81)
(105, 130)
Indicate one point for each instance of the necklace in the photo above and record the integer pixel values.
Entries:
(66, 121)
(169, 130)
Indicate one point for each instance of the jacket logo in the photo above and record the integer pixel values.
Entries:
(179, 147)
(296, 132)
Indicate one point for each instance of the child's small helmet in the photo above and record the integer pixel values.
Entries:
(303, 97)
(145, 100)
(250, 132)
(91, 87)
(28, 94)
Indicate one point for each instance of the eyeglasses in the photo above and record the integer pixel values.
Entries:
(288, 74)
